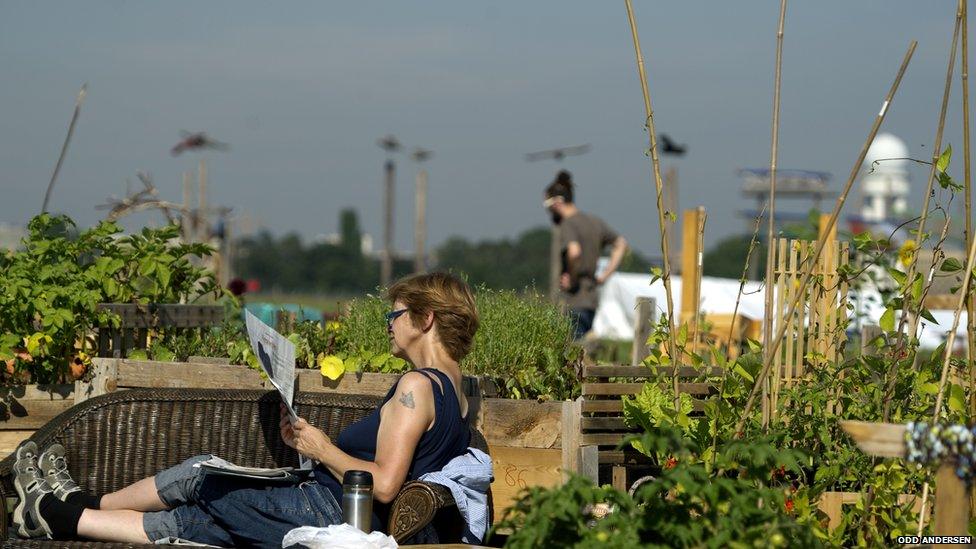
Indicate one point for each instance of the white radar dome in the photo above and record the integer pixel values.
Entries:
(887, 155)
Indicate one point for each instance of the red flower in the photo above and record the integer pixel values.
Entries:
(671, 462)
(789, 505)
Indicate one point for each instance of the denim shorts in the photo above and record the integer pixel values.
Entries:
(233, 511)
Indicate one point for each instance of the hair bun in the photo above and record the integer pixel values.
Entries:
(564, 178)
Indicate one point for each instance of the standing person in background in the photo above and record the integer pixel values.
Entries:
(584, 237)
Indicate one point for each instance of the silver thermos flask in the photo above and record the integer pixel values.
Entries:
(357, 500)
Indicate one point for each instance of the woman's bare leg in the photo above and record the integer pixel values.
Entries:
(121, 525)
(139, 496)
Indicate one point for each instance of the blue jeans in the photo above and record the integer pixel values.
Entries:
(233, 511)
(582, 321)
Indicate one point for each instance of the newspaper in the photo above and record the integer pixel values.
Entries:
(221, 466)
(277, 358)
(276, 355)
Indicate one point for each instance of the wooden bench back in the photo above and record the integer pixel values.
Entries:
(139, 321)
(601, 423)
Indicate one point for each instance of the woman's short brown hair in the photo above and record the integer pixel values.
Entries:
(450, 300)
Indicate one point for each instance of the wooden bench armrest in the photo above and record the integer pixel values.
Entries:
(415, 507)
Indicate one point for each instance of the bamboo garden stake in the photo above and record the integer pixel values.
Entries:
(662, 226)
(64, 147)
(768, 362)
(773, 154)
(967, 182)
(913, 259)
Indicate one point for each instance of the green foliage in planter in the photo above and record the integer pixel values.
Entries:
(751, 505)
(52, 286)
(523, 342)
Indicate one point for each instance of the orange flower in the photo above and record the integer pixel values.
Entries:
(789, 505)
(671, 462)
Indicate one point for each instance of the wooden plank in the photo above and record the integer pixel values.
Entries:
(520, 468)
(613, 389)
(9, 440)
(831, 503)
(622, 457)
(570, 419)
(645, 372)
(646, 317)
(521, 423)
(104, 380)
(877, 439)
(351, 383)
(589, 463)
(23, 414)
(602, 439)
(604, 424)
(608, 389)
(951, 503)
(614, 405)
(144, 373)
(690, 272)
(603, 406)
(619, 477)
(208, 359)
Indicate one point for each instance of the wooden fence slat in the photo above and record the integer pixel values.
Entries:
(646, 316)
(602, 439)
(619, 389)
(571, 439)
(645, 372)
(604, 424)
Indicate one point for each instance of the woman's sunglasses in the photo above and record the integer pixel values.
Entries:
(392, 315)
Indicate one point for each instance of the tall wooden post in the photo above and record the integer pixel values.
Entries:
(386, 265)
(691, 253)
(822, 228)
(204, 235)
(555, 262)
(189, 220)
(420, 228)
(643, 324)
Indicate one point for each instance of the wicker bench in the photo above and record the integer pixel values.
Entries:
(116, 439)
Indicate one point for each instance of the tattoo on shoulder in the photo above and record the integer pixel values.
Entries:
(407, 400)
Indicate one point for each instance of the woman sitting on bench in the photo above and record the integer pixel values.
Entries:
(421, 425)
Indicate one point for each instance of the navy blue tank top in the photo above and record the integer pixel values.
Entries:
(448, 438)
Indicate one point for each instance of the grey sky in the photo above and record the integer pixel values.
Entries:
(302, 90)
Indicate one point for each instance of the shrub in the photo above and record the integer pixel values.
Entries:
(685, 506)
(52, 286)
(524, 343)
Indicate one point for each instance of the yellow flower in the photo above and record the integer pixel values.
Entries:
(331, 366)
(907, 252)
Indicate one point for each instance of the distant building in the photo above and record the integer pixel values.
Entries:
(884, 180)
(335, 239)
(10, 236)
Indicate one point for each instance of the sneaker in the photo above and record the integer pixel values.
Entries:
(30, 488)
(54, 470)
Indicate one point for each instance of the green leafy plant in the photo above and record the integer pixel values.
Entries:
(753, 504)
(53, 285)
(523, 343)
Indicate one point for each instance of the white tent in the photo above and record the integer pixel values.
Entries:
(616, 315)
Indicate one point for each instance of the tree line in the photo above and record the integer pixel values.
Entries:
(287, 264)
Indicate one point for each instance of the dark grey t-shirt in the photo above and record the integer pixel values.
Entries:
(593, 235)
